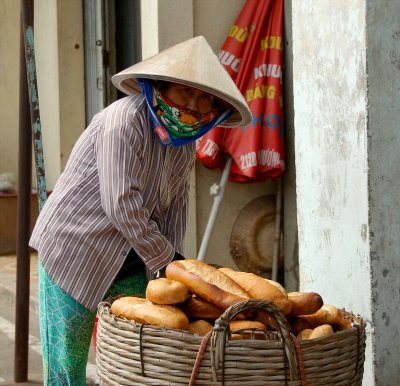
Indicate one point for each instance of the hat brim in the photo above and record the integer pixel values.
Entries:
(205, 73)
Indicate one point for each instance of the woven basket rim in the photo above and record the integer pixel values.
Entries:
(162, 342)
(357, 319)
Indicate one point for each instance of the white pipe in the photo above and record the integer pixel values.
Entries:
(214, 210)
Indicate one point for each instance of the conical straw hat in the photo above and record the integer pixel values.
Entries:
(194, 63)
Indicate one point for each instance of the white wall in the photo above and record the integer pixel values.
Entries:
(330, 109)
(330, 97)
(345, 88)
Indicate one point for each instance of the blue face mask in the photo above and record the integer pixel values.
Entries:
(167, 134)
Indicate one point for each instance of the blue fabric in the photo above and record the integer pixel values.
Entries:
(66, 328)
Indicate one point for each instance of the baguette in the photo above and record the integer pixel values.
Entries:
(235, 325)
(278, 286)
(255, 330)
(198, 308)
(144, 312)
(327, 314)
(200, 327)
(247, 329)
(321, 331)
(305, 334)
(298, 324)
(343, 324)
(207, 282)
(256, 286)
(304, 303)
(260, 288)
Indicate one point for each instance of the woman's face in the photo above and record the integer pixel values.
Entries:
(189, 97)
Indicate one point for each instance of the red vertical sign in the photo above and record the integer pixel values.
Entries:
(253, 55)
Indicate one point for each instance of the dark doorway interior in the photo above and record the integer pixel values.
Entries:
(127, 34)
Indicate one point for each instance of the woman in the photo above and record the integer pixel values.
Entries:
(118, 212)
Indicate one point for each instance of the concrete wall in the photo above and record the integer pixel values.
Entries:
(47, 67)
(168, 22)
(208, 15)
(9, 89)
(330, 106)
(291, 261)
(346, 65)
(71, 75)
(346, 98)
(165, 23)
(383, 139)
(60, 72)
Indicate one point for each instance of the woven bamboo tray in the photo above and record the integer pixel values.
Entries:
(128, 353)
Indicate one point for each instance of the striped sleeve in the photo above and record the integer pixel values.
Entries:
(118, 150)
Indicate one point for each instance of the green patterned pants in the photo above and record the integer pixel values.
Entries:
(66, 328)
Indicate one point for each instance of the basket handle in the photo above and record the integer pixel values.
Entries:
(221, 329)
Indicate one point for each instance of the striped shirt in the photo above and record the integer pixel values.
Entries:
(120, 189)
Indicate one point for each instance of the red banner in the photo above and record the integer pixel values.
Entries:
(253, 56)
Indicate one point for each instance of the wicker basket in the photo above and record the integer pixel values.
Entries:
(133, 354)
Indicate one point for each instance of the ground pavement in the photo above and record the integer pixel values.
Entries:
(7, 327)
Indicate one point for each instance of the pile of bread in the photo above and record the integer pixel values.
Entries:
(194, 294)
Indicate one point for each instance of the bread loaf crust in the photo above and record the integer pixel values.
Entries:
(256, 286)
(259, 288)
(343, 324)
(278, 286)
(200, 327)
(207, 282)
(305, 334)
(304, 303)
(247, 329)
(321, 331)
(198, 308)
(148, 313)
(166, 291)
(122, 305)
(298, 324)
(235, 325)
(327, 314)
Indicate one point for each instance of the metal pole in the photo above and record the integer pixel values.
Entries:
(27, 22)
(23, 261)
(23, 226)
(220, 189)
